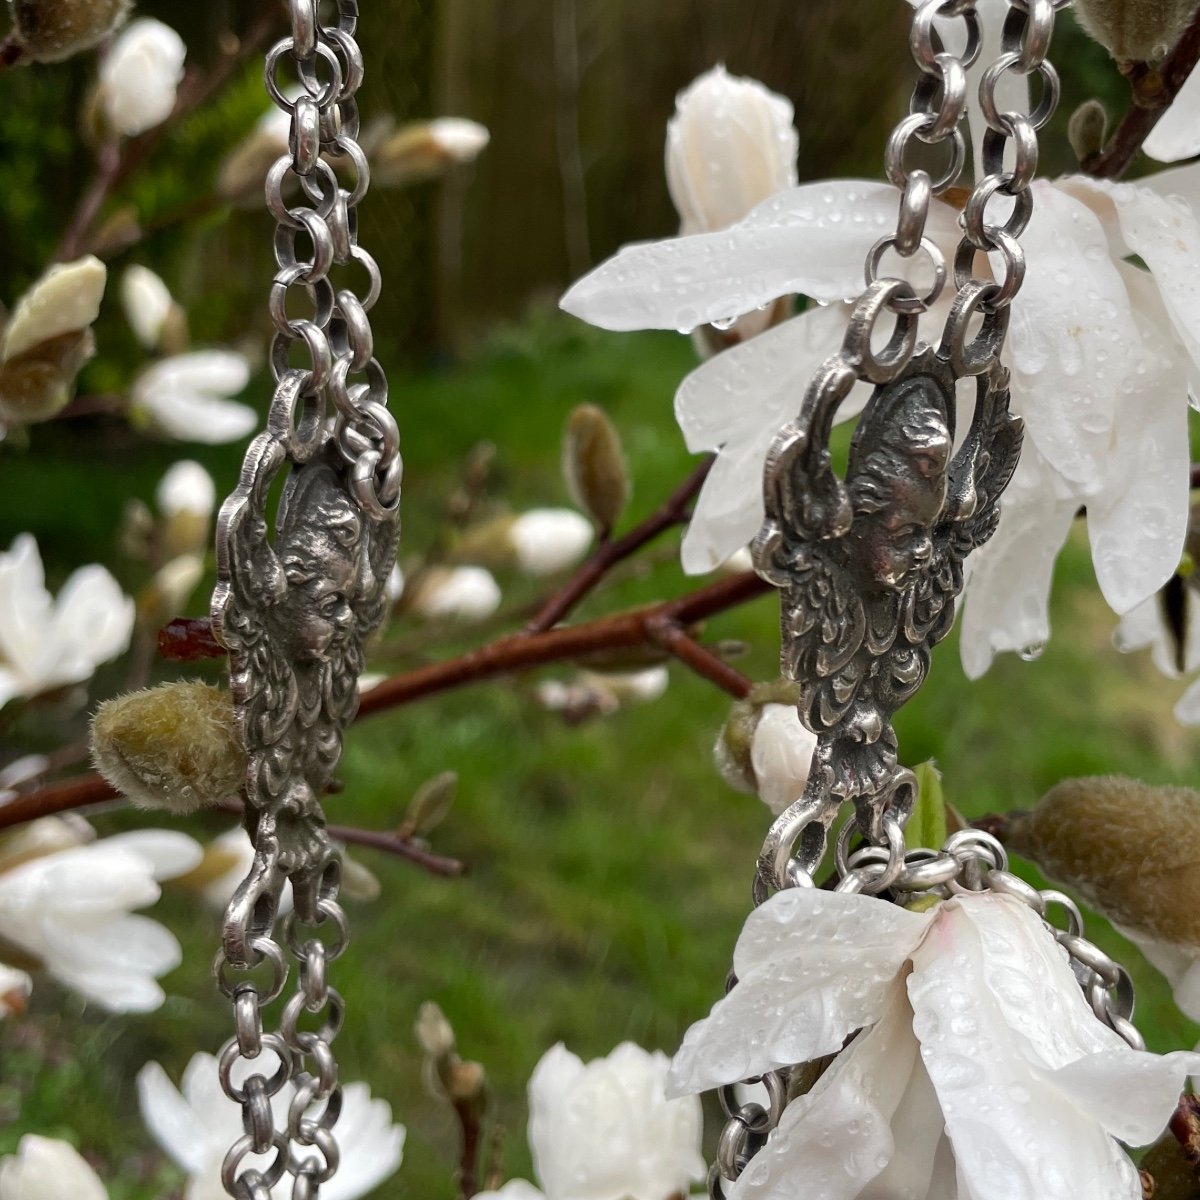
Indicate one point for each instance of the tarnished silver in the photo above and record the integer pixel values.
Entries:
(294, 605)
(870, 564)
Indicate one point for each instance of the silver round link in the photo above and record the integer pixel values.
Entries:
(305, 140)
(914, 212)
(909, 304)
(304, 28)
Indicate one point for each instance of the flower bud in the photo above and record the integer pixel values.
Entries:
(593, 464)
(460, 593)
(358, 882)
(170, 589)
(52, 30)
(140, 75)
(1087, 130)
(422, 149)
(157, 321)
(430, 805)
(240, 178)
(763, 748)
(1129, 849)
(1135, 30)
(171, 747)
(65, 300)
(186, 497)
(435, 1035)
(549, 540)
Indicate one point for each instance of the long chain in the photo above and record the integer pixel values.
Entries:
(294, 609)
(864, 599)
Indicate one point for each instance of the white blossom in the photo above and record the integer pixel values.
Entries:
(1177, 134)
(226, 863)
(465, 593)
(66, 299)
(140, 75)
(147, 302)
(459, 138)
(395, 583)
(48, 1169)
(186, 488)
(47, 643)
(549, 540)
(979, 1070)
(196, 1124)
(1100, 350)
(606, 1131)
(781, 752)
(187, 397)
(71, 908)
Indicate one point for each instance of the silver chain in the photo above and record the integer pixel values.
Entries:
(864, 601)
(294, 610)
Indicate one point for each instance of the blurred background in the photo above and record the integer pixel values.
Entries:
(610, 866)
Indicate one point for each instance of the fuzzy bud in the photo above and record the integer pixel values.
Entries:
(53, 30)
(1129, 849)
(39, 384)
(455, 593)
(1087, 130)
(171, 747)
(1135, 30)
(593, 464)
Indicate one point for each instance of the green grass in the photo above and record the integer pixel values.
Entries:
(609, 865)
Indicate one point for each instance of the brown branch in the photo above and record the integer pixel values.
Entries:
(390, 843)
(467, 1111)
(505, 656)
(673, 511)
(672, 636)
(1153, 91)
(108, 166)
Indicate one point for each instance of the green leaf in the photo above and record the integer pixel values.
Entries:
(927, 825)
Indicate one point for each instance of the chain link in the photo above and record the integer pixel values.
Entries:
(313, 192)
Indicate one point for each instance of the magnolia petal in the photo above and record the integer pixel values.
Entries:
(810, 239)
(812, 967)
(168, 853)
(1165, 232)
(1177, 134)
(514, 1189)
(199, 418)
(1014, 1137)
(48, 1169)
(130, 944)
(728, 511)
(170, 1119)
(1007, 597)
(1139, 522)
(1180, 968)
(1180, 183)
(1072, 335)
(1187, 709)
(372, 1146)
(833, 1142)
(93, 619)
(756, 386)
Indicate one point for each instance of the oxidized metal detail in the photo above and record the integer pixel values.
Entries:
(869, 568)
(294, 613)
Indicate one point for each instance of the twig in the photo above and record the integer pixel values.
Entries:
(1185, 1126)
(673, 511)
(1153, 91)
(505, 656)
(108, 166)
(467, 1111)
(672, 636)
(389, 843)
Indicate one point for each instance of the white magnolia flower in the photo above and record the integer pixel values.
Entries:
(15, 987)
(549, 540)
(1100, 351)
(66, 299)
(140, 75)
(48, 1169)
(186, 488)
(1146, 628)
(1177, 134)
(606, 1131)
(147, 302)
(47, 643)
(71, 908)
(1178, 965)
(465, 593)
(197, 1123)
(781, 754)
(187, 397)
(395, 583)
(979, 1072)
(460, 139)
